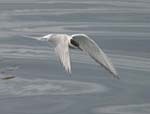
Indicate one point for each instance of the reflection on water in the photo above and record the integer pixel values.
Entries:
(30, 87)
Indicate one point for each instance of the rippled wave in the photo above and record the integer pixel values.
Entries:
(120, 61)
(30, 87)
(124, 24)
(119, 17)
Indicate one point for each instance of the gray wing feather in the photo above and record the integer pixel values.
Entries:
(93, 50)
(62, 51)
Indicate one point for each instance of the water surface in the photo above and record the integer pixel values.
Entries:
(120, 27)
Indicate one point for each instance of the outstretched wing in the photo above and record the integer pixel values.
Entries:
(62, 51)
(90, 47)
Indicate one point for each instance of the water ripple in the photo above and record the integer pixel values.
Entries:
(30, 87)
(43, 53)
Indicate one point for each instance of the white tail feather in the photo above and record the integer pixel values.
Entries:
(36, 38)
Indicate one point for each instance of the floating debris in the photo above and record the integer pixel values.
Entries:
(7, 73)
(8, 69)
(7, 77)
(13, 68)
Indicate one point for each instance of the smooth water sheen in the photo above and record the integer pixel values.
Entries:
(120, 27)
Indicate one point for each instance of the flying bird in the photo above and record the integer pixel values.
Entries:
(64, 42)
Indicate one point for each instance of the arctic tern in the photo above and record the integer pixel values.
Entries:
(64, 42)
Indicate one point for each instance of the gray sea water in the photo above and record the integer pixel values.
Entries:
(120, 27)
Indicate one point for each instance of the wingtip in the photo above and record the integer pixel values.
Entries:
(68, 71)
(69, 75)
(116, 76)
